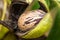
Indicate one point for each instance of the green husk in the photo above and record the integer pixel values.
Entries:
(3, 30)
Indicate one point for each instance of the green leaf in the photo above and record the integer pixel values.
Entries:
(35, 6)
(48, 2)
(55, 31)
(51, 4)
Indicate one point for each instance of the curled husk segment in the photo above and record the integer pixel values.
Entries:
(41, 28)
